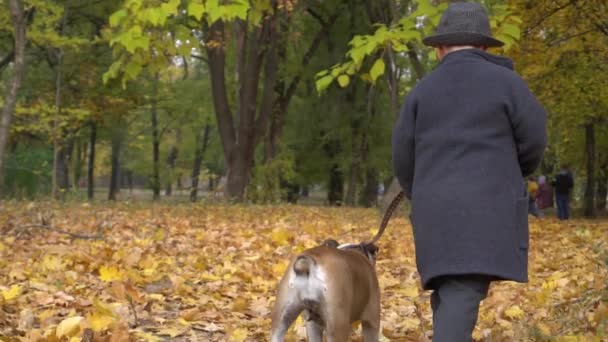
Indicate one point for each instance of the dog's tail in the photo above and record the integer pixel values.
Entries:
(302, 265)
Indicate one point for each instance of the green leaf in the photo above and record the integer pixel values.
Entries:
(112, 71)
(237, 10)
(323, 82)
(377, 69)
(196, 10)
(343, 81)
(424, 8)
(155, 16)
(408, 35)
(511, 30)
(214, 10)
(352, 68)
(133, 69)
(366, 78)
(170, 8)
(357, 54)
(117, 17)
(322, 73)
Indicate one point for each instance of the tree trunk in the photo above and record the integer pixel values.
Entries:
(201, 146)
(91, 166)
(130, 181)
(335, 187)
(355, 167)
(286, 91)
(115, 173)
(602, 187)
(171, 161)
(59, 166)
(64, 156)
(590, 156)
(77, 162)
(155, 143)
(254, 47)
(335, 191)
(10, 101)
(369, 196)
(211, 185)
(178, 181)
(353, 179)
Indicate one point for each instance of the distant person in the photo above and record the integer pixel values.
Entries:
(544, 195)
(562, 185)
(532, 194)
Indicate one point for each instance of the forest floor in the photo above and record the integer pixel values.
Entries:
(183, 272)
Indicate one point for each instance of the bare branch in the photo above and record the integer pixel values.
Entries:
(45, 226)
(316, 16)
(199, 57)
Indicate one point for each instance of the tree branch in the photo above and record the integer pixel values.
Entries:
(97, 236)
(199, 57)
(545, 17)
(217, 62)
(413, 55)
(316, 16)
(323, 32)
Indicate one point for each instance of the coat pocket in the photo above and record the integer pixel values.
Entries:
(522, 222)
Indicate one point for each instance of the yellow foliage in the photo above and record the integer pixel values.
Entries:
(238, 335)
(220, 285)
(279, 236)
(100, 322)
(52, 263)
(69, 327)
(12, 293)
(110, 273)
(514, 312)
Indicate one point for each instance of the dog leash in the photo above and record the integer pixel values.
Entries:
(387, 216)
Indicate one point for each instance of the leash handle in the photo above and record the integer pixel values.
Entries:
(387, 216)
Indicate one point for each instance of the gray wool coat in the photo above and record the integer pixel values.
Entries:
(467, 135)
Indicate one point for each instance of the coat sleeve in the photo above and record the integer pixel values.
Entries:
(403, 145)
(529, 121)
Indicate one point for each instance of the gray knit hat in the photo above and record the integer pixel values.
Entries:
(463, 23)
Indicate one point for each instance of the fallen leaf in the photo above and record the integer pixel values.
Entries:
(238, 335)
(514, 312)
(69, 327)
(12, 293)
(100, 322)
(110, 273)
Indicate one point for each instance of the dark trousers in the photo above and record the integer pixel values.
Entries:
(532, 208)
(561, 201)
(455, 303)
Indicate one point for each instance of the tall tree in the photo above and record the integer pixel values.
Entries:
(240, 34)
(155, 140)
(19, 21)
(202, 141)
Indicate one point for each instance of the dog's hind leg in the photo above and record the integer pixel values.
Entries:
(314, 331)
(282, 319)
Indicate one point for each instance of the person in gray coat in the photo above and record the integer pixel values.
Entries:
(467, 136)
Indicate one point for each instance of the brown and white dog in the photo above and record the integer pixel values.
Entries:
(334, 286)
